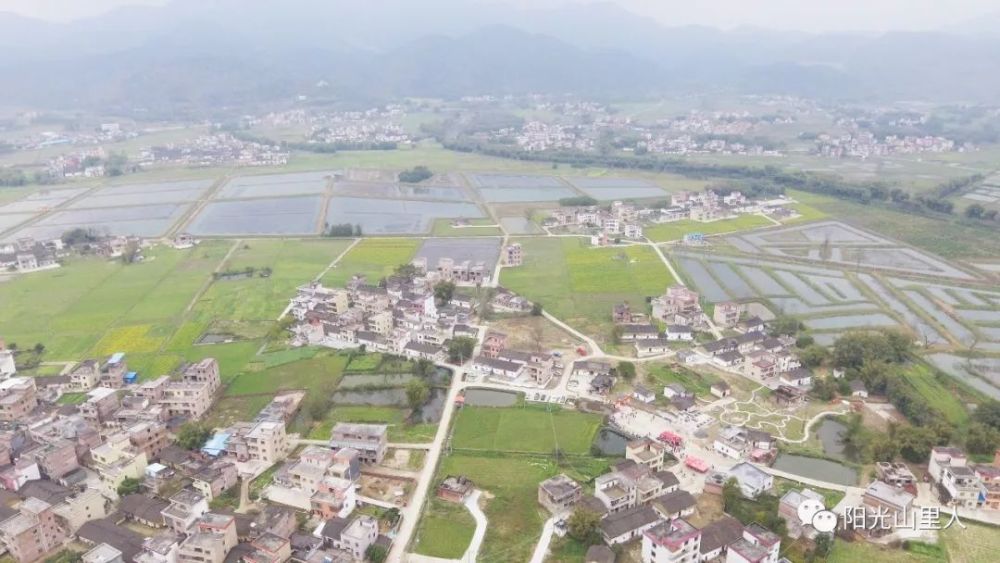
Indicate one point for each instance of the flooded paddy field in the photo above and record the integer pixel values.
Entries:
(833, 242)
(396, 217)
(515, 181)
(398, 191)
(143, 194)
(268, 216)
(41, 201)
(142, 220)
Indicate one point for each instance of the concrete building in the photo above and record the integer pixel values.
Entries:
(100, 405)
(214, 536)
(103, 553)
(186, 507)
(18, 397)
(559, 494)
(675, 541)
(85, 375)
(370, 440)
(32, 532)
(117, 460)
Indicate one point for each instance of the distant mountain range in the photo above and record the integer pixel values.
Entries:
(193, 55)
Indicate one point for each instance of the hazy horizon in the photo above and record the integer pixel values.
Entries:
(847, 15)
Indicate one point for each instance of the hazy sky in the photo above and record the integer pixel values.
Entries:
(810, 15)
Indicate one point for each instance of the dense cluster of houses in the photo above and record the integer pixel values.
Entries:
(864, 144)
(618, 220)
(499, 361)
(401, 317)
(220, 149)
(63, 469)
(640, 500)
(754, 354)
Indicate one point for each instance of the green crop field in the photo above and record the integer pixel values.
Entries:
(524, 429)
(579, 284)
(155, 311)
(375, 258)
(940, 397)
(293, 263)
(976, 543)
(91, 305)
(665, 232)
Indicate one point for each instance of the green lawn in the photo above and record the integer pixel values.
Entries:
(399, 430)
(478, 227)
(315, 374)
(446, 530)
(511, 506)
(579, 284)
(937, 394)
(375, 258)
(806, 213)
(525, 429)
(72, 398)
(698, 383)
(676, 230)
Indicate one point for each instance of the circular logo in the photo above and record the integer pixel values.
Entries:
(824, 521)
(808, 508)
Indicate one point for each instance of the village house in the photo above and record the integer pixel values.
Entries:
(32, 532)
(752, 481)
(559, 494)
(955, 481)
(113, 372)
(18, 397)
(513, 255)
(8, 366)
(85, 375)
(269, 548)
(354, 536)
(214, 536)
(214, 479)
(720, 389)
(103, 553)
(788, 510)
(454, 488)
(758, 545)
(370, 440)
(116, 460)
(186, 507)
(673, 541)
(647, 453)
(727, 314)
(100, 405)
(626, 525)
(896, 474)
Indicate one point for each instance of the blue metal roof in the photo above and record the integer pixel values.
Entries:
(216, 444)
